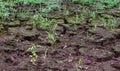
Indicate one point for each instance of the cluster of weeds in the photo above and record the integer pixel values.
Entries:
(39, 21)
(51, 6)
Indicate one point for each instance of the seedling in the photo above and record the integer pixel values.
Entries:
(77, 18)
(51, 37)
(79, 65)
(33, 55)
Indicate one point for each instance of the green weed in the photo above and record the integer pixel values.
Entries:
(51, 34)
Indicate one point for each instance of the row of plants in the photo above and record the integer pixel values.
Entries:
(7, 6)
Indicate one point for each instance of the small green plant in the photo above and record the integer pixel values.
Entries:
(51, 37)
(77, 18)
(94, 26)
(93, 17)
(33, 55)
(22, 15)
(79, 65)
(52, 33)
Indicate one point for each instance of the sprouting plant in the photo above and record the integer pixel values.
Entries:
(76, 18)
(45, 54)
(93, 19)
(66, 12)
(33, 55)
(80, 61)
(93, 15)
(51, 37)
(52, 32)
(23, 14)
(94, 24)
(79, 65)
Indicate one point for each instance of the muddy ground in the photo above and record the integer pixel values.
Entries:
(78, 48)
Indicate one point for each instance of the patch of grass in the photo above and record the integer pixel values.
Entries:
(39, 21)
(51, 7)
(110, 3)
(22, 15)
(83, 1)
(4, 11)
(100, 6)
